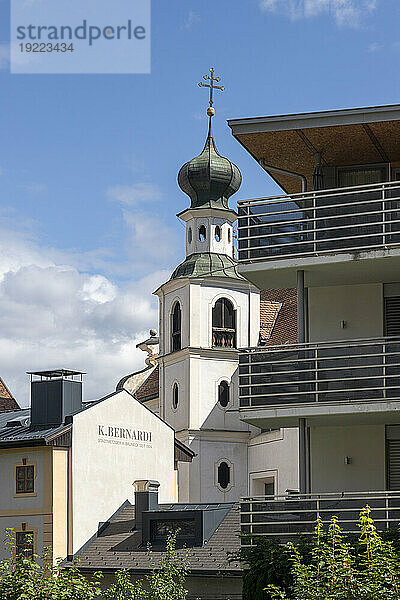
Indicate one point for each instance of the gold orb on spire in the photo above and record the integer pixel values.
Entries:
(213, 80)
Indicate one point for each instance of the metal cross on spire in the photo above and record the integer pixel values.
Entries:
(213, 80)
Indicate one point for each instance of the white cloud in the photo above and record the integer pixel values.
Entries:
(54, 315)
(150, 239)
(138, 193)
(348, 13)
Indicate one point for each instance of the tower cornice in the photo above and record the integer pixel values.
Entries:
(228, 215)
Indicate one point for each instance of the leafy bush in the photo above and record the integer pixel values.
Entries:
(336, 572)
(26, 577)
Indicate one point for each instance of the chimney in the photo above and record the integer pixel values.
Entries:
(55, 395)
(146, 498)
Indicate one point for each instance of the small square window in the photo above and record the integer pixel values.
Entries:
(25, 476)
(24, 543)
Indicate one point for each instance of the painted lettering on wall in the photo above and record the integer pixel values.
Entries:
(124, 436)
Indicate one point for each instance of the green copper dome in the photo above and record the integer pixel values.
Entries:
(209, 179)
(207, 264)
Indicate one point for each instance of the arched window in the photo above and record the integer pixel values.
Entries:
(190, 235)
(223, 475)
(229, 235)
(223, 394)
(224, 324)
(175, 396)
(176, 341)
(217, 233)
(202, 233)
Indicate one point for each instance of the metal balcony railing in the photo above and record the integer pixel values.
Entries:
(349, 219)
(290, 516)
(327, 372)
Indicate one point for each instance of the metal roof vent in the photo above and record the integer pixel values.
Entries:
(55, 395)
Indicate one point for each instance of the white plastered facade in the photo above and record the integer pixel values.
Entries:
(215, 433)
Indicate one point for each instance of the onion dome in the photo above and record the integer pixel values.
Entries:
(209, 179)
(207, 264)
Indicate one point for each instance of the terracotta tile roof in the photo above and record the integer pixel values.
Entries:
(7, 402)
(278, 316)
(118, 546)
(149, 388)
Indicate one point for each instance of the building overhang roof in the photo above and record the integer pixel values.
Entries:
(342, 137)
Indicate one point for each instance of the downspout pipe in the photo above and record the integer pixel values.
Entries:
(267, 168)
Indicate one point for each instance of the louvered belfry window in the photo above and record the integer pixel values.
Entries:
(393, 459)
(392, 315)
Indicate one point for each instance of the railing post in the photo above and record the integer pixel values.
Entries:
(387, 510)
(314, 224)
(301, 317)
(383, 215)
(384, 367)
(247, 234)
(301, 333)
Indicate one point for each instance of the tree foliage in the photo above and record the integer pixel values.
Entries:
(336, 572)
(26, 577)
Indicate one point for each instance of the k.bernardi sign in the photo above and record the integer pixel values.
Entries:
(124, 434)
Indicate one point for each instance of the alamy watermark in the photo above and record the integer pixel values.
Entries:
(71, 36)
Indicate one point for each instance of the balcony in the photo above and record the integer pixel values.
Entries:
(326, 227)
(290, 516)
(280, 384)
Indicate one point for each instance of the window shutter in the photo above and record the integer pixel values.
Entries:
(392, 315)
(393, 464)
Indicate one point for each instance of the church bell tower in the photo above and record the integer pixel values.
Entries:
(207, 311)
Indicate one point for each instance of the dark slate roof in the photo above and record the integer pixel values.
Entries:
(7, 401)
(149, 388)
(207, 264)
(117, 546)
(24, 435)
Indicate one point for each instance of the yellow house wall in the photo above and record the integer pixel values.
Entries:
(35, 509)
(60, 502)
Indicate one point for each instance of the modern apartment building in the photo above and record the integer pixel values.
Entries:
(334, 233)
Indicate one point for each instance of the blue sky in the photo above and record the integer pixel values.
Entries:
(88, 163)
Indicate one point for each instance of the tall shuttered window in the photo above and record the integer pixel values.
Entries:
(393, 464)
(392, 315)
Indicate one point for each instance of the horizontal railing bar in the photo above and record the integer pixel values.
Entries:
(319, 229)
(314, 209)
(320, 392)
(317, 358)
(313, 522)
(365, 188)
(320, 370)
(388, 339)
(306, 497)
(290, 256)
(319, 381)
(312, 241)
(312, 218)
